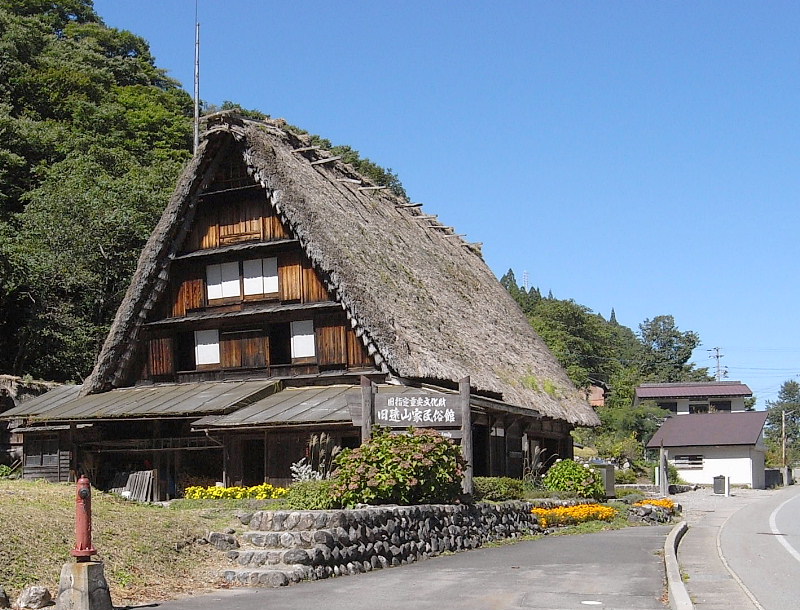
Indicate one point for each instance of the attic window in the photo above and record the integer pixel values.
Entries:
(260, 276)
(254, 278)
(222, 281)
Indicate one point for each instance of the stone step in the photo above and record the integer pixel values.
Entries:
(266, 578)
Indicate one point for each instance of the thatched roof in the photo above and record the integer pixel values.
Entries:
(423, 301)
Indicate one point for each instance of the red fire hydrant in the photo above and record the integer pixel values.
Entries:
(83, 550)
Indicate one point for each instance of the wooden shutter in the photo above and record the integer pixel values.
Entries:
(161, 361)
(331, 340)
(290, 276)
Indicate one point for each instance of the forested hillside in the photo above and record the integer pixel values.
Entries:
(599, 351)
(92, 137)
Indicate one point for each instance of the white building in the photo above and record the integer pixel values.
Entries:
(702, 446)
(696, 397)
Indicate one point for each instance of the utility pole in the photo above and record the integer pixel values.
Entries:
(717, 355)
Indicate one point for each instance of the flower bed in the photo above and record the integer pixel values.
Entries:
(265, 491)
(665, 503)
(571, 515)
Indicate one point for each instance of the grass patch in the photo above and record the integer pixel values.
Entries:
(149, 552)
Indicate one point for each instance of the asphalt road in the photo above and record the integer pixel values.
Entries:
(761, 544)
(621, 569)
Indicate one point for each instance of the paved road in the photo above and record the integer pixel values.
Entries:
(761, 544)
(611, 570)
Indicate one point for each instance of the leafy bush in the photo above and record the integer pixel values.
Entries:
(6, 472)
(265, 491)
(496, 489)
(629, 496)
(311, 495)
(568, 475)
(535, 494)
(624, 477)
(418, 467)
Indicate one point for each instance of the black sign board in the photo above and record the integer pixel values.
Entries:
(418, 409)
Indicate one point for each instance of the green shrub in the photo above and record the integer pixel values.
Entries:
(567, 475)
(622, 492)
(6, 472)
(624, 477)
(311, 495)
(497, 489)
(536, 494)
(418, 467)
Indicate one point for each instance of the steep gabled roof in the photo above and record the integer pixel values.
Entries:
(422, 300)
(710, 429)
(699, 389)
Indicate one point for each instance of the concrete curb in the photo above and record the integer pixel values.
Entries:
(678, 595)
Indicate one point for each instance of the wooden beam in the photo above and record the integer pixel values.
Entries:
(466, 434)
(367, 408)
(350, 180)
(456, 235)
(408, 205)
(328, 160)
(371, 188)
(305, 149)
(426, 216)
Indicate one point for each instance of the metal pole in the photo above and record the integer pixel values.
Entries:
(783, 438)
(196, 80)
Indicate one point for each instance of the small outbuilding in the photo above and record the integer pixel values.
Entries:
(704, 445)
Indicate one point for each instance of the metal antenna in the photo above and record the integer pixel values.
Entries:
(196, 79)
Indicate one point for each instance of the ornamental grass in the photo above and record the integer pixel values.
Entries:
(660, 502)
(265, 491)
(572, 515)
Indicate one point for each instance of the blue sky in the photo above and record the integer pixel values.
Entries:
(636, 155)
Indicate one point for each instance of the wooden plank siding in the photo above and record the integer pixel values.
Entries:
(290, 276)
(331, 340)
(219, 222)
(189, 292)
(160, 361)
(357, 355)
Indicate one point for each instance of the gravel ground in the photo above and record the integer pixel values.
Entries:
(703, 500)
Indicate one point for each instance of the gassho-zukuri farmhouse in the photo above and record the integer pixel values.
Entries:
(276, 279)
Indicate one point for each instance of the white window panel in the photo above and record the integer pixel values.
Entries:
(270, 266)
(230, 279)
(214, 282)
(260, 276)
(222, 280)
(206, 347)
(253, 277)
(303, 339)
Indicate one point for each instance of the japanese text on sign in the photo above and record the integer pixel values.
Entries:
(424, 410)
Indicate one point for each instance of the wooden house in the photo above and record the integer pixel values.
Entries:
(276, 278)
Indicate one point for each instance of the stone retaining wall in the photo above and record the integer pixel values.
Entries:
(286, 546)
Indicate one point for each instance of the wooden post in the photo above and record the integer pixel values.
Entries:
(663, 478)
(466, 433)
(367, 408)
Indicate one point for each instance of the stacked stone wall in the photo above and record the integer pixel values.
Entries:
(285, 546)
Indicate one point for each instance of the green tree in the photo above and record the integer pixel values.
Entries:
(666, 351)
(579, 338)
(784, 410)
(92, 137)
